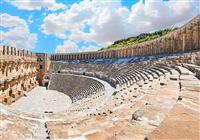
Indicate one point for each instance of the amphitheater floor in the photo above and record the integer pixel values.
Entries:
(40, 100)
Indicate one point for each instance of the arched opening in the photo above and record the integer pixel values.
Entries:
(10, 92)
(46, 85)
(22, 86)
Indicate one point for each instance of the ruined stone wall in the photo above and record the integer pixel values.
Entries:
(44, 61)
(18, 71)
(186, 38)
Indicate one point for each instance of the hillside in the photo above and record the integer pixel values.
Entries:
(138, 39)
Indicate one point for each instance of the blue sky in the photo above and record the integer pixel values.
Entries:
(65, 26)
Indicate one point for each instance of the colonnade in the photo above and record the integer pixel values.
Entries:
(8, 53)
(184, 39)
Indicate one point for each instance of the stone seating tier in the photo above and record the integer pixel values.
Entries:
(75, 87)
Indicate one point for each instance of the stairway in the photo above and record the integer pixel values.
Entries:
(41, 132)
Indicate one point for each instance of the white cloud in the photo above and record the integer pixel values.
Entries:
(89, 48)
(67, 47)
(110, 21)
(17, 33)
(71, 47)
(36, 4)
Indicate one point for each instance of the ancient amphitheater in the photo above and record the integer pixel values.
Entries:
(142, 92)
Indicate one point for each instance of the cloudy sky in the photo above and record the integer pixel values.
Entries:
(65, 26)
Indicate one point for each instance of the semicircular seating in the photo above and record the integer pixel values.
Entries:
(148, 96)
(76, 87)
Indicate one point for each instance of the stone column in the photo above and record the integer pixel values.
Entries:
(152, 48)
(158, 45)
(175, 40)
(167, 44)
(81, 56)
(103, 54)
(132, 51)
(147, 48)
(95, 55)
(113, 54)
(155, 47)
(99, 55)
(183, 32)
(163, 45)
(183, 42)
(144, 48)
(196, 35)
(135, 50)
(172, 43)
(110, 54)
(141, 49)
(4, 50)
(120, 53)
(106, 54)
(123, 52)
(116, 53)
(126, 52)
(188, 37)
(86, 56)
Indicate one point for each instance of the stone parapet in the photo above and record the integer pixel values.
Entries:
(184, 39)
(8, 53)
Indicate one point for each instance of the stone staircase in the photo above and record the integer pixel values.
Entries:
(41, 133)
